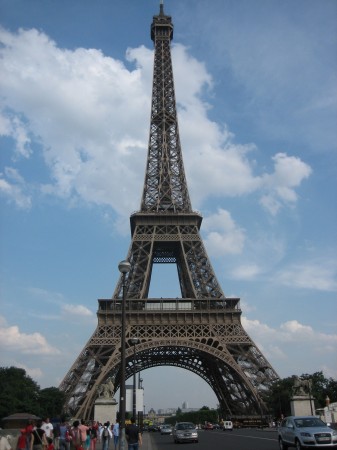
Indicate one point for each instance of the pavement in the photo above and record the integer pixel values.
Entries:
(147, 442)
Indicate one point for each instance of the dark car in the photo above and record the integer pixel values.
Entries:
(185, 432)
(305, 432)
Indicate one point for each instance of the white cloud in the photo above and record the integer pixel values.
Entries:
(223, 236)
(293, 342)
(14, 188)
(289, 172)
(12, 339)
(78, 106)
(319, 274)
(77, 310)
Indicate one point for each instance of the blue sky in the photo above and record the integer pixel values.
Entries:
(256, 95)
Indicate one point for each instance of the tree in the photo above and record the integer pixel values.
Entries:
(18, 392)
(51, 402)
(279, 395)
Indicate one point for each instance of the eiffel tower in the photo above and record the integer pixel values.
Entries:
(202, 330)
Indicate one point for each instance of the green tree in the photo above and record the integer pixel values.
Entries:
(18, 392)
(279, 395)
(51, 402)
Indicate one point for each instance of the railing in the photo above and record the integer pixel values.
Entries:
(170, 304)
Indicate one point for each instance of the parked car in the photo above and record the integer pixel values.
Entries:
(305, 432)
(228, 425)
(166, 429)
(208, 426)
(185, 432)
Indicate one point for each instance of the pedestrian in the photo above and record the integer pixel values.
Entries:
(133, 435)
(105, 436)
(115, 432)
(22, 440)
(50, 444)
(38, 439)
(29, 429)
(65, 436)
(93, 430)
(4, 443)
(83, 430)
(47, 426)
(76, 436)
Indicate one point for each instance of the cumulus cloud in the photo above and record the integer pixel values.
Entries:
(14, 188)
(223, 236)
(289, 172)
(12, 339)
(320, 275)
(293, 341)
(76, 106)
(77, 310)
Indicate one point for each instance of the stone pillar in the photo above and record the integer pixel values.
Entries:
(105, 410)
(302, 405)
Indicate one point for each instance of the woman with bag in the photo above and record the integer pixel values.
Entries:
(38, 440)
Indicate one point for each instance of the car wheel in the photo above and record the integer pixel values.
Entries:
(282, 445)
(298, 445)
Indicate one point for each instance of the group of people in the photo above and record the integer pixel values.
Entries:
(81, 435)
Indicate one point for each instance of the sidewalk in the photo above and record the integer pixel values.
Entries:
(147, 442)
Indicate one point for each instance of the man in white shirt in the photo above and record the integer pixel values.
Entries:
(48, 428)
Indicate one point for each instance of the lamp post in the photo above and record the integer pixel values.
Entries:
(134, 342)
(124, 268)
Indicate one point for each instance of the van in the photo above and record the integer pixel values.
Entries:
(228, 425)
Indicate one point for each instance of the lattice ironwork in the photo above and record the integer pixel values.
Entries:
(201, 331)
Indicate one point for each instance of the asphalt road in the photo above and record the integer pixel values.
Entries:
(243, 439)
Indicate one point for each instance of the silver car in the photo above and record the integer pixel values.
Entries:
(166, 429)
(185, 432)
(305, 432)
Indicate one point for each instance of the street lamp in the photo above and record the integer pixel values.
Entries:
(124, 268)
(134, 342)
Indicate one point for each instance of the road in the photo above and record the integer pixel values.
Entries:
(243, 439)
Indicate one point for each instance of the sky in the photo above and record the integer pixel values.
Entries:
(256, 96)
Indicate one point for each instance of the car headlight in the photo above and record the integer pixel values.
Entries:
(303, 433)
(334, 433)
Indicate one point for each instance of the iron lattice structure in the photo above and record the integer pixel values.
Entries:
(202, 330)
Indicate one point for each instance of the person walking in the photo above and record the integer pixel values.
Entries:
(115, 432)
(38, 439)
(133, 435)
(105, 436)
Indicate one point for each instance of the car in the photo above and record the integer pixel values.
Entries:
(305, 432)
(228, 425)
(166, 429)
(208, 426)
(185, 432)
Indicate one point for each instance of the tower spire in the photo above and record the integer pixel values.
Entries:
(165, 187)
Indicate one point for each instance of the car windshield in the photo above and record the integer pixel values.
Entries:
(185, 426)
(309, 422)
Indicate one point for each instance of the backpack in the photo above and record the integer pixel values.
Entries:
(105, 433)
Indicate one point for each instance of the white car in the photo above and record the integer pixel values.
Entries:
(305, 432)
